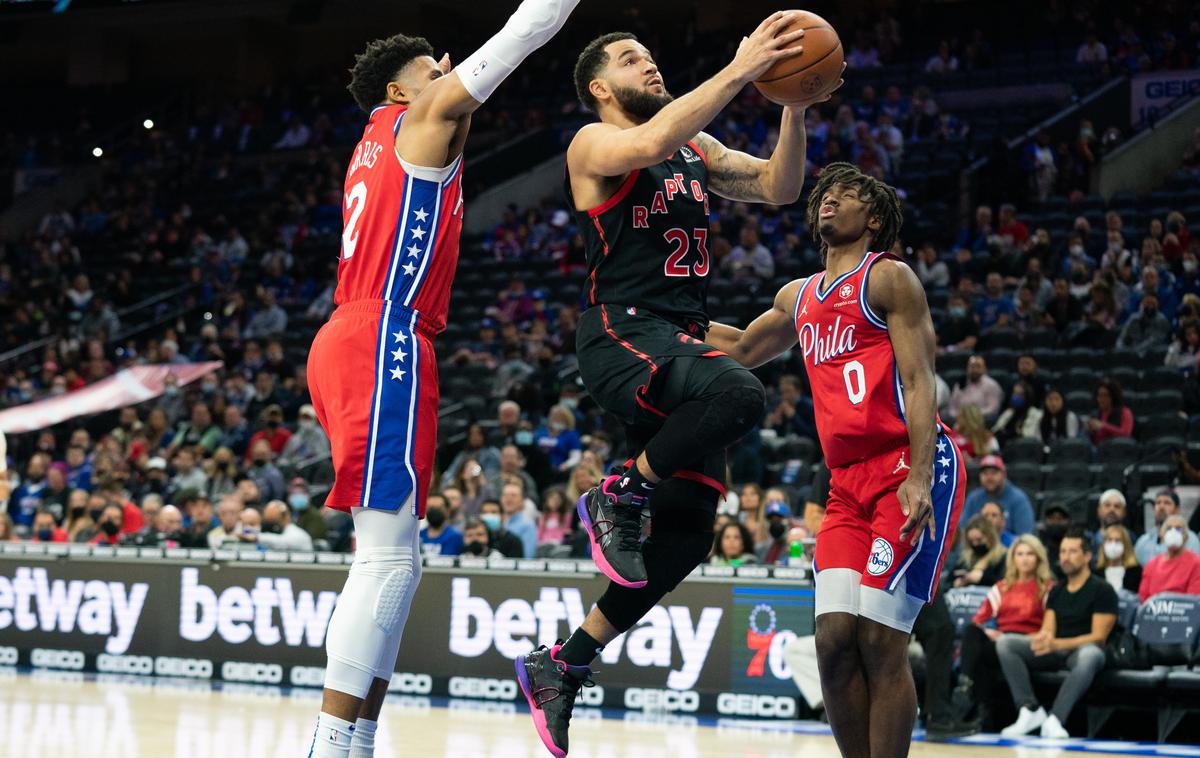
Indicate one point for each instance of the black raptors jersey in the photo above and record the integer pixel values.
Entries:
(647, 245)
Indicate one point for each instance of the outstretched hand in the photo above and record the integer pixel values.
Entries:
(763, 49)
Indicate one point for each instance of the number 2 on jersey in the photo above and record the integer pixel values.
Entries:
(356, 198)
(856, 382)
(682, 242)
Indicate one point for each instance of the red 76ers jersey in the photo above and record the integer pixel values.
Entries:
(401, 225)
(857, 394)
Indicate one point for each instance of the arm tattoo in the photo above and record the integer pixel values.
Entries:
(733, 175)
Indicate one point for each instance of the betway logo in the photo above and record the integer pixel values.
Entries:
(109, 609)
(237, 613)
(516, 626)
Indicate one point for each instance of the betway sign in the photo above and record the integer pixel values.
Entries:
(515, 626)
(31, 601)
(236, 613)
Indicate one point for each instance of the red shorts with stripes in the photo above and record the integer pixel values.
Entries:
(639, 367)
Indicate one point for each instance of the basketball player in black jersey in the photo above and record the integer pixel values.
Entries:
(639, 182)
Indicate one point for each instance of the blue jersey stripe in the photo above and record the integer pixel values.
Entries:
(421, 212)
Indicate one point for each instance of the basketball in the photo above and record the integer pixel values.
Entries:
(810, 74)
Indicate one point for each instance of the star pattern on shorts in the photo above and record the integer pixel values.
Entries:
(401, 337)
(399, 355)
(414, 251)
(418, 233)
(397, 373)
(409, 269)
(941, 446)
(421, 214)
(943, 462)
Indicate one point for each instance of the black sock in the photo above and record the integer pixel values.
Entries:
(580, 649)
(634, 482)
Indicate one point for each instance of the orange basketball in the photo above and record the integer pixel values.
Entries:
(810, 74)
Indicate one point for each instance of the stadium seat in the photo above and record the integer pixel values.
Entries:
(1074, 449)
(1027, 476)
(1167, 628)
(964, 603)
(1119, 452)
(1024, 450)
(1068, 475)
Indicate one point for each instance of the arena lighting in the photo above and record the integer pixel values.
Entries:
(97, 151)
(148, 123)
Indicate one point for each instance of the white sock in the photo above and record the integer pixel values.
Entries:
(332, 738)
(363, 744)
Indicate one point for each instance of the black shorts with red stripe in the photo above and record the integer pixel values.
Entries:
(640, 366)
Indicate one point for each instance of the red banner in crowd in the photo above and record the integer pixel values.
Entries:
(127, 387)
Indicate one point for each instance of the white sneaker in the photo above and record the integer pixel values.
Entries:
(1026, 722)
(1053, 729)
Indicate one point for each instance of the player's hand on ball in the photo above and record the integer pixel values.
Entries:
(762, 49)
(917, 505)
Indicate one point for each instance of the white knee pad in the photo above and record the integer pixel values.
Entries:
(369, 618)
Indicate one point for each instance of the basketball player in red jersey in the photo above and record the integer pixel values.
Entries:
(897, 481)
(371, 368)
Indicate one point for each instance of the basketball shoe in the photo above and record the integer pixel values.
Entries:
(614, 528)
(550, 687)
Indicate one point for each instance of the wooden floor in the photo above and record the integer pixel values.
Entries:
(55, 715)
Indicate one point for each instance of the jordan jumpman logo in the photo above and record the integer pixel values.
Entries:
(901, 466)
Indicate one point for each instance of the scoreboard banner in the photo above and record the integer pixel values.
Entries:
(712, 645)
(1151, 94)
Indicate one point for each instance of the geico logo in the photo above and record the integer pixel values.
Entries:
(125, 664)
(661, 700)
(593, 696)
(8, 656)
(411, 684)
(766, 706)
(56, 659)
(307, 676)
(238, 614)
(516, 625)
(255, 673)
(488, 689)
(192, 668)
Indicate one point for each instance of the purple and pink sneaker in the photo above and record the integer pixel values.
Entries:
(614, 527)
(550, 688)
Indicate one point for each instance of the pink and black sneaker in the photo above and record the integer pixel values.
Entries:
(614, 527)
(550, 687)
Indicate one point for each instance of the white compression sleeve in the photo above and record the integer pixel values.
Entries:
(530, 27)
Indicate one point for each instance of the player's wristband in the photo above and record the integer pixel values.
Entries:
(530, 27)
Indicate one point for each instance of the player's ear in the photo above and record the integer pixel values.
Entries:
(396, 93)
(599, 89)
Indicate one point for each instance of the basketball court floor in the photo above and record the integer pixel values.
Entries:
(67, 715)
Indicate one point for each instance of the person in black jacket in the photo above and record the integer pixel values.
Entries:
(501, 539)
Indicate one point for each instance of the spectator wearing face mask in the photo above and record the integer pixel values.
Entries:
(1146, 330)
(304, 515)
(109, 525)
(958, 331)
(438, 537)
(504, 541)
(779, 522)
(559, 440)
(26, 499)
(45, 529)
(309, 443)
(981, 559)
(278, 532)
(1117, 564)
(1150, 544)
(1176, 570)
(273, 431)
(266, 475)
(477, 539)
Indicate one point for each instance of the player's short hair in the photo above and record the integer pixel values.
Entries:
(380, 63)
(880, 196)
(594, 58)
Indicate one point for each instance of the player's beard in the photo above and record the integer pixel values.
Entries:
(639, 103)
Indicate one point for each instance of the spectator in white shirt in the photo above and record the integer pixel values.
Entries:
(943, 62)
(1091, 51)
(297, 135)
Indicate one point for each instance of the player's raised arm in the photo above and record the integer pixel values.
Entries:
(606, 150)
(474, 80)
(767, 336)
(897, 292)
(740, 176)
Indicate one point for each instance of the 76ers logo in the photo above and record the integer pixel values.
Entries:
(846, 291)
(881, 557)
